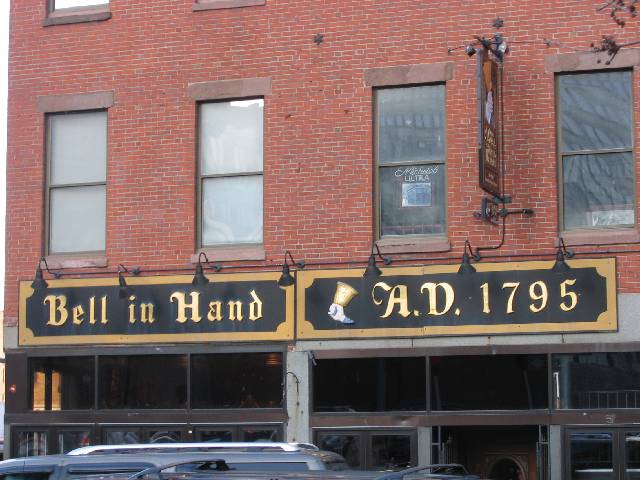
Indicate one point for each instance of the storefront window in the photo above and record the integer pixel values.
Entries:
(31, 443)
(69, 440)
(489, 382)
(151, 381)
(597, 380)
(592, 455)
(370, 384)
(390, 452)
(346, 444)
(62, 383)
(237, 380)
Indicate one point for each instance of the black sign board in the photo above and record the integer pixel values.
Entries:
(488, 123)
(499, 298)
(232, 307)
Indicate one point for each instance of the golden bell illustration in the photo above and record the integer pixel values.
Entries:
(344, 294)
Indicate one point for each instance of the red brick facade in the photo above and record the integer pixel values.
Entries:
(318, 161)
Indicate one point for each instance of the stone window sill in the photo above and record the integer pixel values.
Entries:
(414, 244)
(78, 15)
(218, 4)
(56, 262)
(231, 253)
(601, 237)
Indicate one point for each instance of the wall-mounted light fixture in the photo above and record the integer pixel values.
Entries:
(372, 269)
(286, 279)
(125, 290)
(199, 277)
(465, 264)
(560, 266)
(39, 282)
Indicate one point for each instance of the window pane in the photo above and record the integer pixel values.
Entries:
(260, 435)
(78, 148)
(70, 440)
(77, 216)
(133, 382)
(489, 382)
(595, 111)
(164, 436)
(412, 200)
(598, 190)
(591, 456)
(78, 3)
(237, 380)
(231, 137)
(370, 384)
(349, 446)
(232, 210)
(410, 124)
(632, 444)
(215, 435)
(390, 452)
(120, 437)
(62, 383)
(597, 380)
(31, 444)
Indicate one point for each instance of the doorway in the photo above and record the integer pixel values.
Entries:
(494, 452)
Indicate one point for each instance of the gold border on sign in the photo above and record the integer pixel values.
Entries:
(284, 331)
(607, 321)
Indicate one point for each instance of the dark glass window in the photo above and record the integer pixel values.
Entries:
(71, 439)
(596, 149)
(31, 443)
(592, 455)
(237, 380)
(150, 381)
(370, 384)
(489, 382)
(597, 380)
(64, 383)
(410, 133)
(390, 452)
(346, 444)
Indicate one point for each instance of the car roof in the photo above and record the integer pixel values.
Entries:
(154, 458)
(193, 446)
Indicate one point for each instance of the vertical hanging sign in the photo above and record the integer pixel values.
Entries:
(488, 123)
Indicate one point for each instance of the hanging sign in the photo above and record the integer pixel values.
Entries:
(499, 298)
(232, 307)
(488, 124)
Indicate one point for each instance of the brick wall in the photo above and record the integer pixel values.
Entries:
(318, 164)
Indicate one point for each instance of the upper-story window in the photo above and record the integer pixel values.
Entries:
(76, 181)
(595, 144)
(410, 152)
(61, 4)
(230, 171)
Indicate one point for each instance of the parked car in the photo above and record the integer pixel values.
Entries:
(448, 471)
(59, 467)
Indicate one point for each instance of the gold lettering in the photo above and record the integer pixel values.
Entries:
(572, 295)
(103, 313)
(78, 313)
(92, 310)
(180, 299)
(215, 311)
(57, 310)
(432, 289)
(397, 296)
(513, 286)
(146, 313)
(235, 310)
(132, 309)
(255, 307)
(541, 293)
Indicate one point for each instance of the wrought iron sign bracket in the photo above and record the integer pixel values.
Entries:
(494, 209)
